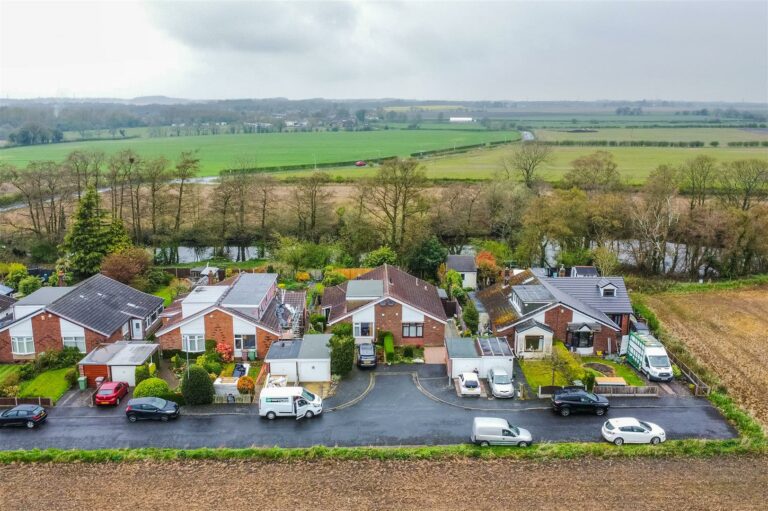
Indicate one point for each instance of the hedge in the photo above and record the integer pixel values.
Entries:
(196, 386)
(152, 387)
(389, 347)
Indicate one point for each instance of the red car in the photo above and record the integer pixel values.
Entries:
(111, 392)
(360, 163)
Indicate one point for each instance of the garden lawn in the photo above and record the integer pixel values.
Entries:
(622, 370)
(538, 373)
(166, 294)
(50, 384)
(6, 371)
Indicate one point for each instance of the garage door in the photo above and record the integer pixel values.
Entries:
(435, 355)
(506, 363)
(314, 370)
(283, 368)
(124, 373)
(464, 365)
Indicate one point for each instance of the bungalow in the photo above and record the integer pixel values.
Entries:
(589, 314)
(466, 267)
(387, 299)
(301, 360)
(98, 310)
(248, 312)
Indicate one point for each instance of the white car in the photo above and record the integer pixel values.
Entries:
(632, 431)
(469, 384)
(501, 384)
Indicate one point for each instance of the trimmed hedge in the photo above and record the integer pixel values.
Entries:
(196, 386)
(152, 387)
(389, 347)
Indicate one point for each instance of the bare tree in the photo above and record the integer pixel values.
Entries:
(311, 197)
(156, 177)
(526, 160)
(186, 168)
(85, 168)
(698, 177)
(596, 172)
(744, 182)
(263, 190)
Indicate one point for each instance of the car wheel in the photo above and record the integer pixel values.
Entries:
(132, 418)
(484, 444)
(309, 415)
(655, 440)
(619, 441)
(522, 444)
(565, 412)
(30, 424)
(164, 418)
(271, 415)
(600, 411)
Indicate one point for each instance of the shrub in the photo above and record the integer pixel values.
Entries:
(196, 386)
(389, 348)
(589, 380)
(380, 256)
(177, 361)
(333, 278)
(71, 376)
(209, 363)
(152, 387)
(676, 372)
(27, 372)
(342, 329)
(152, 369)
(225, 351)
(60, 359)
(318, 321)
(174, 396)
(342, 354)
(210, 345)
(246, 385)
(471, 317)
(29, 285)
(141, 373)
(408, 352)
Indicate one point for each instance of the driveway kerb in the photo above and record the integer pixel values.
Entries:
(353, 402)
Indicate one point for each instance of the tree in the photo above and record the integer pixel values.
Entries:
(382, 255)
(263, 188)
(29, 285)
(425, 257)
(85, 168)
(342, 354)
(487, 268)
(605, 260)
(14, 274)
(394, 198)
(698, 176)
(311, 202)
(594, 172)
(156, 177)
(526, 160)
(471, 317)
(744, 182)
(125, 266)
(91, 238)
(187, 168)
(196, 386)
(452, 282)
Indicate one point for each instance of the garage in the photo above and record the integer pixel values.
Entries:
(479, 355)
(301, 361)
(116, 361)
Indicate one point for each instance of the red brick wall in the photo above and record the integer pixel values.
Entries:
(218, 326)
(170, 340)
(390, 319)
(557, 319)
(5, 347)
(264, 340)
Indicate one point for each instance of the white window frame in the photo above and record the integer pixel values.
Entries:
(358, 329)
(23, 340)
(540, 345)
(74, 342)
(199, 342)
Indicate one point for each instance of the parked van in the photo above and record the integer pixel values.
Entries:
(289, 402)
(494, 431)
(646, 354)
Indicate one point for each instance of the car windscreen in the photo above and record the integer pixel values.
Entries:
(366, 349)
(645, 425)
(501, 379)
(307, 395)
(658, 361)
(106, 392)
(515, 431)
(470, 384)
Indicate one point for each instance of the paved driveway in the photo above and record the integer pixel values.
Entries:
(394, 412)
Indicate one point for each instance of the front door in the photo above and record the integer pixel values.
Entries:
(136, 329)
(238, 346)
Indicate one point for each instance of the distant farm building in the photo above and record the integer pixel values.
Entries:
(461, 119)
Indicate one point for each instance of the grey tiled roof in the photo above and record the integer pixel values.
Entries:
(45, 296)
(460, 263)
(461, 347)
(533, 293)
(104, 305)
(586, 290)
(315, 346)
(530, 323)
(281, 350)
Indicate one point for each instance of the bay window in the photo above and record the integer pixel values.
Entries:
(534, 342)
(22, 346)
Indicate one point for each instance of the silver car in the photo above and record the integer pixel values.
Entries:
(502, 385)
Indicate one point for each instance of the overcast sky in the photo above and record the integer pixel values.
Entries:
(579, 50)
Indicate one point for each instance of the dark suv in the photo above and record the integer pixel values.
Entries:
(573, 400)
(366, 355)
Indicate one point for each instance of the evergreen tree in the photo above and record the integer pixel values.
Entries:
(92, 237)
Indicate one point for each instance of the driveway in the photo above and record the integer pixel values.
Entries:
(394, 412)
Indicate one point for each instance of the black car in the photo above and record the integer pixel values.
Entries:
(152, 408)
(366, 355)
(570, 400)
(24, 415)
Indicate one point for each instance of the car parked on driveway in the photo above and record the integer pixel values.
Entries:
(469, 385)
(110, 393)
(576, 400)
(632, 431)
(495, 431)
(501, 384)
(24, 415)
(366, 355)
(151, 408)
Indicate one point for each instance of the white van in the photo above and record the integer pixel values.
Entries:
(289, 402)
(494, 431)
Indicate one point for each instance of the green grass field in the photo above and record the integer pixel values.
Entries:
(706, 135)
(6, 371)
(50, 384)
(218, 152)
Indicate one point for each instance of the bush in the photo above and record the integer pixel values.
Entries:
(389, 348)
(333, 278)
(71, 376)
(152, 369)
(177, 361)
(152, 387)
(225, 352)
(342, 354)
(196, 386)
(60, 359)
(27, 372)
(342, 329)
(471, 317)
(246, 385)
(173, 396)
(676, 372)
(209, 363)
(141, 373)
(29, 285)
(589, 380)
(380, 256)
(408, 352)
(318, 321)
(210, 345)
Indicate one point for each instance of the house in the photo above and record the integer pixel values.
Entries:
(387, 299)
(466, 267)
(209, 272)
(116, 361)
(589, 314)
(584, 271)
(96, 311)
(480, 354)
(302, 360)
(248, 312)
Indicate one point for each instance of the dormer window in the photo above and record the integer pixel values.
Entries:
(609, 291)
(606, 288)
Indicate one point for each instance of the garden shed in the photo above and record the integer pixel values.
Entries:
(303, 361)
(116, 361)
(480, 354)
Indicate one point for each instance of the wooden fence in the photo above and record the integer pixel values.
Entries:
(618, 391)
(15, 401)
(699, 387)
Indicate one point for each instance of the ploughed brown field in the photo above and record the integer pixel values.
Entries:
(594, 484)
(728, 332)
